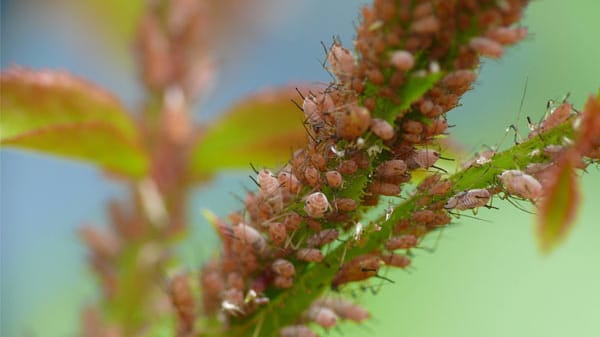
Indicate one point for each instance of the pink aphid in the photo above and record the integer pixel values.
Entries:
(469, 199)
(506, 35)
(345, 309)
(316, 205)
(309, 255)
(289, 182)
(402, 60)
(382, 129)
(521, 184)
(396, 260)
(391, 168)
(248, 236)
(283, 267)
(424, 158)
(486, 47)
(334, 179)
(323, 237)
(277, 233)
(428, 24)
(323, 316)
(401, 242)
(342, 61)
(269, 185)
(315, 106)
(558, 116)
(296, 331)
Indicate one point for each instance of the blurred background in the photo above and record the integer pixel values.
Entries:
(484, 279)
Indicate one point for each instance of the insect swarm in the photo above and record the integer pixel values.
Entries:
(411, 93)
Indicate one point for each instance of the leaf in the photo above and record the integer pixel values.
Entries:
(59, 114)
(558, 207)
(262, 129)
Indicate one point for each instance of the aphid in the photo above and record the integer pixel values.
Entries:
(353, 122)
(424, 158)
(358, 269)
(395, 260)
(348, 167)
(312, 176)
(391, 168)
(319, 161)
(315, 105)
(341, 61)
(521, 184)
(429, 182)
(345, 309)
(345, 204)
(437, 127)
(402, 60)
(211, 282)
(506, 36)
(486, 47)
(323, 237)
(268, 184)
(462, 78)
(292, 221)
(428, 24)
(296, 331)
(422, 216)
(247, 235)
(406, 241)
(183, 301)
(469, 199)
(309, 255)
(557, 116)
(378, 187)
(289, 182)
(277, 233)
(316, 205)
(382, 129)
(323, 316)
(334, 179)
(283, 268)
(281, 281)
(441, 188)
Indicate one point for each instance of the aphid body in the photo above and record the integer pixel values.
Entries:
(469, 199)
(521, 184)
(316, 205)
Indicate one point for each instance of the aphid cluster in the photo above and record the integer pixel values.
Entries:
(300, 209)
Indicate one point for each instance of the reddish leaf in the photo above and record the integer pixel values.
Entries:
(59, 114)
(557, 209)
(263, 129)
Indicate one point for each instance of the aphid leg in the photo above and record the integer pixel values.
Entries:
(254, 180)
(253, 168)
(439, 168)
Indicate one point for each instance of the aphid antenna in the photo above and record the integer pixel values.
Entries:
(296, 104)
(446, 158)
(300, 93)
(254, 168)
(439, 168)
(254, 180)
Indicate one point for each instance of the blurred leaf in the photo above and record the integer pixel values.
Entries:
(59, 114)
(262, 129)
(558, 207)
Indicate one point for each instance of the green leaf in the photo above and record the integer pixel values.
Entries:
(557, 209)
(262, 129)
(59, 114)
